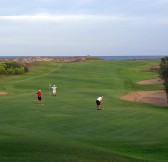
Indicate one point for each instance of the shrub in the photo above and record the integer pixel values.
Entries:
(20, 70)
(12, 68)
(2, 69)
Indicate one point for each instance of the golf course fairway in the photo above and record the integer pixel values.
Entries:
(68, 127)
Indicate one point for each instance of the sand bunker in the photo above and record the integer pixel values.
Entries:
(151, 81)
(153, 97)
(3, 93)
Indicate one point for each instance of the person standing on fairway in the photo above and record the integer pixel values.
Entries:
(39, 95)
(54, 90)
(99, 102)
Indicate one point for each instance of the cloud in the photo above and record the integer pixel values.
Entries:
(73, 17)
(45, 17)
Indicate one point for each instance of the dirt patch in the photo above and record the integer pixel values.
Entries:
(153, 97)
(151, 81)
(3, 93)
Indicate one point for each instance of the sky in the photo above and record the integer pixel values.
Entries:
(83, 27)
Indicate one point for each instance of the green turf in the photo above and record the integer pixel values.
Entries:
(68, 128)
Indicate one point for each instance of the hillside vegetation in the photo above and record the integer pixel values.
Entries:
(68, 127)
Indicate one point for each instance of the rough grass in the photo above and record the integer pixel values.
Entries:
(69, 128)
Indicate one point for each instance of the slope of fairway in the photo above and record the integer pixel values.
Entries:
(68, 127)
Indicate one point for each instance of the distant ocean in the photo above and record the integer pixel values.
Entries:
(102, 57)
(128, 57)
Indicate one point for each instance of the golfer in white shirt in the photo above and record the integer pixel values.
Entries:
(99, 102)
(54, 90)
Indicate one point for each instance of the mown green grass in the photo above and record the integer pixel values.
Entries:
(68, 127)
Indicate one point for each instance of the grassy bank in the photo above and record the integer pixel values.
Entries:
(68, 127)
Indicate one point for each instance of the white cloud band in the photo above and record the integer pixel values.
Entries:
(47, 17)
(71, 18)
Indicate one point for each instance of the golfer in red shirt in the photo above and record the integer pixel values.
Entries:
(39, 95)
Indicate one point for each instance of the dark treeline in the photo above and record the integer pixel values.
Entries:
(164, 73)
